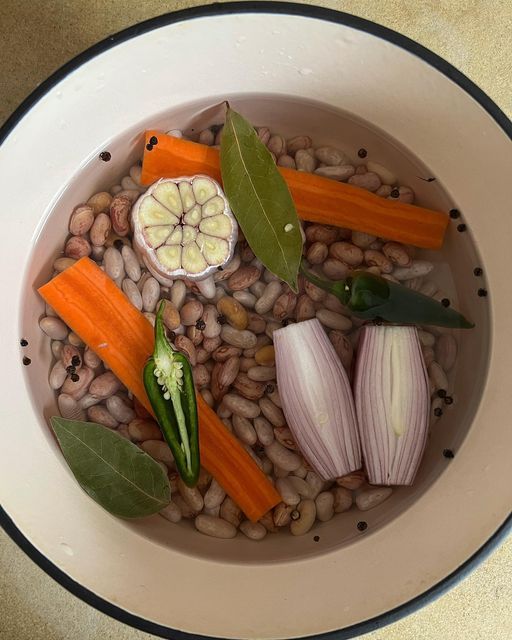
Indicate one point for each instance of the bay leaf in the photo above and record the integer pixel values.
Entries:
(260, 199)
(118, 475)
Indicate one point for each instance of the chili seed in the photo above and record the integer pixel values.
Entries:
(149, 147)
(362, 153)
(221, 319)
(394, 193)
(105, 156)
(448, 400)
(200, 325)
(75, 377)
(362, 525)
(454, 214)
(478, 271)
(295, 515)
(153, 140)
(441, 393)
(23, 342)
(438, 412)
(445, 302)
(26, 361)
(461, 227)
(448, 453)
(482, 292)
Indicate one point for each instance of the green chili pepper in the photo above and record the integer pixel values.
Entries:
(369, 296)
(170, 387)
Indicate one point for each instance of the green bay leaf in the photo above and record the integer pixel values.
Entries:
(118, 475)
(260, 199)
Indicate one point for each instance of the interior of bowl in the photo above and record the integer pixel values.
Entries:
(454, 275)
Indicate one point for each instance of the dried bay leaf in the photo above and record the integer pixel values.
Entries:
(260, 199)
(118, 475)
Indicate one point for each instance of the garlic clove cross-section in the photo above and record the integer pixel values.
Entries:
(184, 228)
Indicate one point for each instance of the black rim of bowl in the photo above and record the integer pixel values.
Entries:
(318, 13)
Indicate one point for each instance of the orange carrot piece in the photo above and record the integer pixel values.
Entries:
(316, 198)
(102, 316)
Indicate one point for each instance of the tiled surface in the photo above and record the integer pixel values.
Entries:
(37, 36)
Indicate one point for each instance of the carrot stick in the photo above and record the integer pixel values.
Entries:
(316, 198)
(102, 316)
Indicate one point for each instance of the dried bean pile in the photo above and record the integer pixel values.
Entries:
(228, 341)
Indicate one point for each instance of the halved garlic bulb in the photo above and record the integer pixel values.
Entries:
(184, 228)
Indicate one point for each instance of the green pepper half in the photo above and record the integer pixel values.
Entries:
(369, 296)
(170, 387)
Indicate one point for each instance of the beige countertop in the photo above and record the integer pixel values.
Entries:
(38, 36)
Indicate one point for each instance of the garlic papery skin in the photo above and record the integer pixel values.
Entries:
(184, 228)
(317, 399)
(392, 399)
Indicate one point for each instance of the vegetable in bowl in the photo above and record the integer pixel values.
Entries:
(258, 463)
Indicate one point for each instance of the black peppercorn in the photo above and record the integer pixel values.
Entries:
(153, 140)
(395, 193)
(448, 453)
(219, 268)
(448, 400)
(461, 227)
(445, 302)
(441, 393)
(118, 244)
(285, 322)
(269, 388)
(105, 156)
(23, 342)
(172, 336)
(378, 321)
(149, 147)
(75, 377)
(438, 412)
(221, 319)
(71, 369)
(454, 214)
(26, 361)
(75, 361)
(362, 525)
(200, 325)
(362, 153)
(477, 271)
(482, 292)
(316, 538)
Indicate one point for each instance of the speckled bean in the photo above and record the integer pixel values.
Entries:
(114, 264)
(386, 176)
(341, 173)
(342, 499)
(370, 498)
(244, 430)
(69, 408)
(287, 491)
(120, 410)
(77, 389)
(214, 496)
(132, 293)
(100, 414)
(253, 530)
(335, 269)
(437, 376)
(54, 328)
(58, 375)
(171, 512)
(57, 347)
(100, 202)
(246, 298)
(271, 412)
(214, 527)
(241, 406)
(91, 359)
(304, 161)
(346, 252)
(230, 511)
(377, 259)
(192, 311)
(324, 506)
(333, 320)
(131, 263)
(282, 457)
(158, 450)
(105, 385)
(264, 430)
(306, 519)
(150, 294)
(286, 161)
(270, 295)
(242, 339)
(369, 181)
(446, 351)
(100, 230)
(330, 156)
(417, 269)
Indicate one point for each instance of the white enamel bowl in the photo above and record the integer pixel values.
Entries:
(297, 69)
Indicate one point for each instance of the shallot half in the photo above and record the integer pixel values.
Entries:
(391, 392)
(317, 399)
